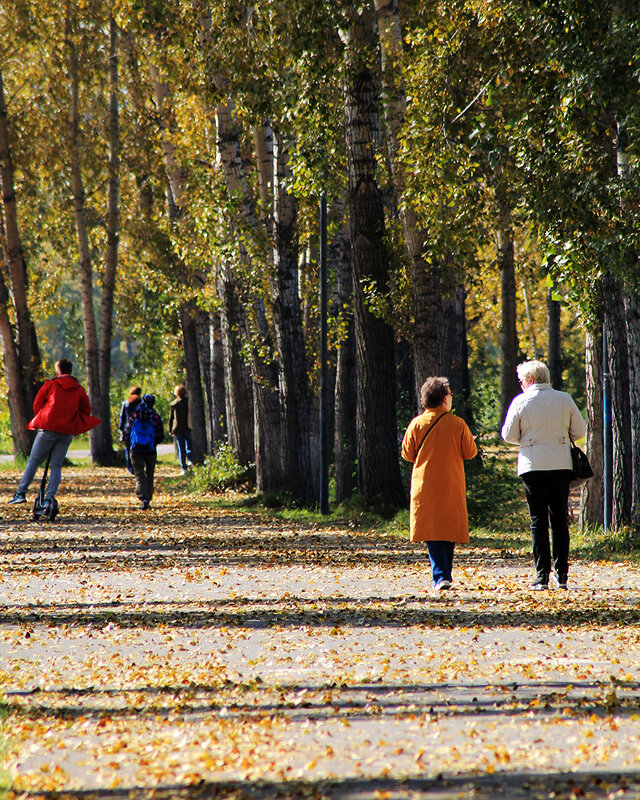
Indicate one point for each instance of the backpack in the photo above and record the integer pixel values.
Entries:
(142, 436)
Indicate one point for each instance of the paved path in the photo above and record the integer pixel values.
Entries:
(163, 449)
(192, 652)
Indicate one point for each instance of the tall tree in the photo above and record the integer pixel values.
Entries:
(378, 467)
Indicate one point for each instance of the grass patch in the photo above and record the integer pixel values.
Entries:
(5, 775)
(593, 544)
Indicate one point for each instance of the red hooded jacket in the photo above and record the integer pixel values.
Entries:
(62, 406)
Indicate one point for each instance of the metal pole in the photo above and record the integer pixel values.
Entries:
(607, 433)
(323, 493)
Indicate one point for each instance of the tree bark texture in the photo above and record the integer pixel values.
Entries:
(19, 410)
(617, 345)
(219, 414)
(427, 310)
(113, 235)
(378, 466)
(345, 438)
(287, 317)
(203, 331)
(554, 340)
(85, 267)
(509, 386)
(632, 316)
(238, 390)
(592, 496)
(188, 316)
(24, 338)
(455, 355)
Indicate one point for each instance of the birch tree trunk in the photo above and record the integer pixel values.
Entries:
(592, 496)
(632, 316)
(85, 267)
(554, 341)
(113, 235)
(427, 310)
(618, 346)
(21, 356)
(292, 366)
(219, 433)
(378, 467)
(509, 386)
(345, 441)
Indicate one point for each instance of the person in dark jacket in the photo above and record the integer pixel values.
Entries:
(62, 410)
(179, 427)
(126, 412)
(143, 459)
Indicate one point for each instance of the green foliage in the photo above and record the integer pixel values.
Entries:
(219, 471)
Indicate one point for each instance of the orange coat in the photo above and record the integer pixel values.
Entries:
(438, 489)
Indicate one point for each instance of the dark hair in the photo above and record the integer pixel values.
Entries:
(433, 392)
(64, 366)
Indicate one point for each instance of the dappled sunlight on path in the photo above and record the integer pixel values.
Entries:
(205, 653)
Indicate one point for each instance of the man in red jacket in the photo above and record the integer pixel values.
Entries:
(61, 410)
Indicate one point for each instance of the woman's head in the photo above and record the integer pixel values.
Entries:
(135, 393)
(535, 370)
(180, 391)
(434, 392)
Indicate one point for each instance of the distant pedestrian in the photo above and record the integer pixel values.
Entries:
(62, 410)
(180, 428)
(544, 421)
(126, 412)
(436, 443)
(145, 432)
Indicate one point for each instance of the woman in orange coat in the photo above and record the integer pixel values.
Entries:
(436, 442)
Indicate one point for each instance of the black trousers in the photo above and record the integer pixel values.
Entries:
(144, 467)
(548, 498)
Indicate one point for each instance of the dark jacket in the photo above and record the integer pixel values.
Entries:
(126, 412)
(140, 410)
(179, 416)
(62, 406)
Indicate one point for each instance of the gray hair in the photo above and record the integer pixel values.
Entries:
(533, 369)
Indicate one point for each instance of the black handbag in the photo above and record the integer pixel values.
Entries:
(580, 467)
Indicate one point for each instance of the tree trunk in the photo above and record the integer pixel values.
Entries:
(427, 311)
(219, 414)
(292, 366)
(592, 497)
(238, 391)
(113, 235)
(632, 316)
(509, 386)
(19, 411)
(203, 332)
(25, 339)
(92, 363)
(378, 464)
(345, 441)
(554, 341)
(455, 355)
(266, 412)
(188, 315)
(617, 345)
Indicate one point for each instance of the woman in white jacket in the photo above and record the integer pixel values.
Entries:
(543, 421)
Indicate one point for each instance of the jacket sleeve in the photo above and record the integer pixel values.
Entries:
(409, 444)
(171, 416)
(84, 406)
(577, 427)
(511, 429)
(41, 397)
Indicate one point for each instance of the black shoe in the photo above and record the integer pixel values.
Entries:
(562, 581)
(145, 504)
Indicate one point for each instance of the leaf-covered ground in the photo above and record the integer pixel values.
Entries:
(192, 652)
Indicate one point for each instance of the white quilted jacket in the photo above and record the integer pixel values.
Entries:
(542, 421)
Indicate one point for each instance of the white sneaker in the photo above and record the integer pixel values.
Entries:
(441, 585)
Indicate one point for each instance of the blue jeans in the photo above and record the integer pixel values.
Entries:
(45, 441)
(183, 443)
(441, 557)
